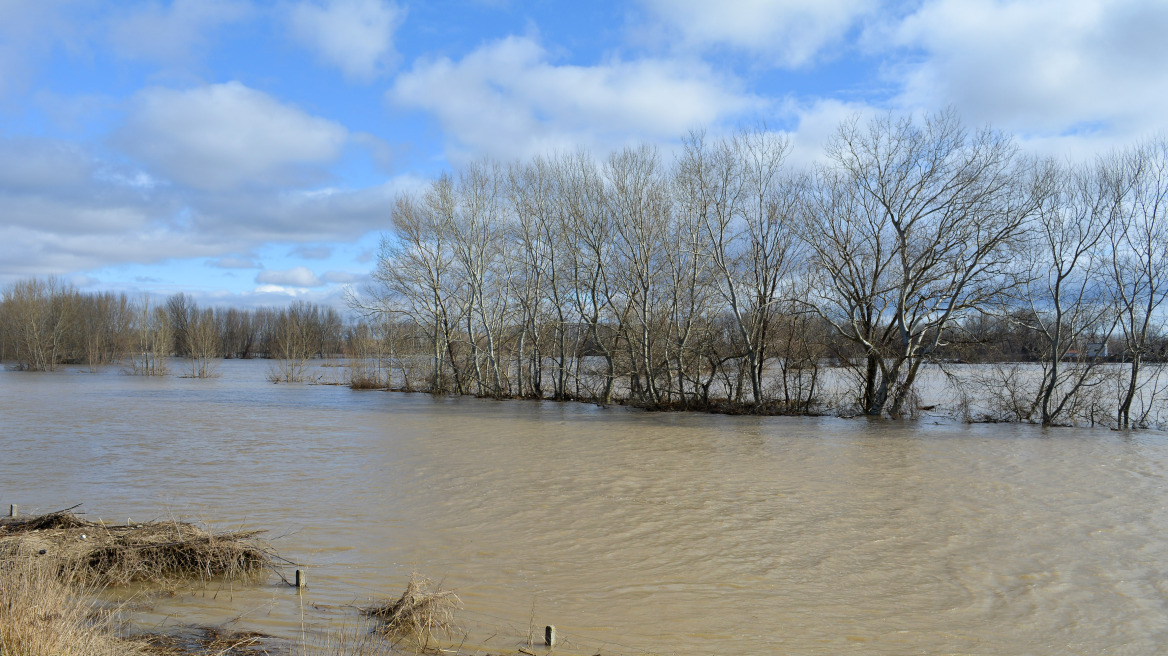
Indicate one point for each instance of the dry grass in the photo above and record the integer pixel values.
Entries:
(366, 382)
(43, 615)
(155, 552)
(421, 611)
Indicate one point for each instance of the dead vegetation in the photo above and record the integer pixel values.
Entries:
(43, 615)
(116, 554)
(422, 611)
(53, 568)
(208, 640)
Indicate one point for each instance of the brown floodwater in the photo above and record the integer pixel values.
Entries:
(632, 532)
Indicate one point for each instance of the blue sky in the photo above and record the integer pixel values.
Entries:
(248, 152)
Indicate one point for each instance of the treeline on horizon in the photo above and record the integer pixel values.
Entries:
(45, 323)
(730, 280)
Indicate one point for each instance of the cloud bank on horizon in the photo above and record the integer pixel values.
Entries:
(248, 151)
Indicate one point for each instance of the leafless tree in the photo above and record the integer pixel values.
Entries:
(39, 314)
(1139, 269)
(910, 227)
(294, 341)
(413, 274)
(152, 339)
(1068, 299)
(747, 205)
(203, 341)
(638, 202)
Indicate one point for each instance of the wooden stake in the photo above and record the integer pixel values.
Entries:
(549, 636)
(13, 512)
(301, 579)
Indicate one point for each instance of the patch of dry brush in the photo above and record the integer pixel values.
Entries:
(421, 611)
(115, 554)
(43, 615)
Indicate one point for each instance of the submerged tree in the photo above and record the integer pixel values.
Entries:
(1139, 270)
(911, 226)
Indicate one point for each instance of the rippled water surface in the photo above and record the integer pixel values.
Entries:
(632, 532)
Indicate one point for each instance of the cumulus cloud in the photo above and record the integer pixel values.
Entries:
(295, 277)
(507, 99)
(815, 123)
(66, 210)
(173, 32)
(331, 215)
(356, 36)
(1043, 68)
(223, 136)
(788, 33)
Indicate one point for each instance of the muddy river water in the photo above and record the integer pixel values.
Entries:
(632, 532)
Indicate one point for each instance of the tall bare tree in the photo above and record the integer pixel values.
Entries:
(910, 227)
(1139, 267)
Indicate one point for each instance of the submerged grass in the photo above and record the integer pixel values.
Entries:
(117, 554)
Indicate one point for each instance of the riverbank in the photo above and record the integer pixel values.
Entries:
(55, 567)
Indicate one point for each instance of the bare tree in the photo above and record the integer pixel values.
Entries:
(39, 314)
(1068, 299)
(1139, 268)
(203, 341)
(293, 342)
(747, 206)
(179, 306)
(413, 275)
(477, 234)
(639, 205)
(910, 228)
(152, 339)
(588, 229)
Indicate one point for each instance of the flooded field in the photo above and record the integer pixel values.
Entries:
(632, 532)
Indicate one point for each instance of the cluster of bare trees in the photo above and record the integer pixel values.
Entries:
(730, 279)
(45, 323)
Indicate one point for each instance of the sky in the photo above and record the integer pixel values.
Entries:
(247, 152)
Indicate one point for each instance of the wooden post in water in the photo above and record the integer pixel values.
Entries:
(549, 636)
(301, 579)
(13, 511)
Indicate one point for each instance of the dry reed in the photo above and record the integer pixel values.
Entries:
(154, 552)
(421, 611)
(43, 615)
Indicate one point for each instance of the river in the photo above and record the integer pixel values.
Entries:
(632, 532)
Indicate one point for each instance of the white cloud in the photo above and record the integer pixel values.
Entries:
(816, 123)
(295, 277)
(223, 136)
(506, 99)
(65, 210)
(274, 292)
(1044, 68)
(353, 35)
(790, 33)
(173, 32)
